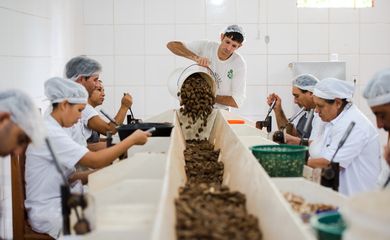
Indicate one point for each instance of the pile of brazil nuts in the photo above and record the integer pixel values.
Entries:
(206, 209)
(305, 209)
(196, 100)
(201, 163)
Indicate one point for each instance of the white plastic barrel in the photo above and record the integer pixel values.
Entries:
(179, 75)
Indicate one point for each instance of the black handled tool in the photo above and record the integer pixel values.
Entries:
(109, 117)
(291, 119)
(270, 109)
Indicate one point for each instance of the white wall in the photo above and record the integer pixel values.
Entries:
(24, 64)
(129, 36)
(37, 38)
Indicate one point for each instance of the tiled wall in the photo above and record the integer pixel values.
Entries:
(37, 37)
(24, 64)
(129, 38)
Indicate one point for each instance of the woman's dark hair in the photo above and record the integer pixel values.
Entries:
(54, 105)
(303, 91)
(235, 36)
(344, 102)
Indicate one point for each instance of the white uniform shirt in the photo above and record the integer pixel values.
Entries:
(43, 196)
(230, 74)
(360, 154)
(316, 124)
(80, 131)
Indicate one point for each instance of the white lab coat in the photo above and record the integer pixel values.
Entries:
(43, 181)
(80, 131)
(317, 124)
(360, 155)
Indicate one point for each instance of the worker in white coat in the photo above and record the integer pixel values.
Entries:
(302, 90)
(377, 93)
(86, 71)
(43, 197)
(20, 122)
(359, 158)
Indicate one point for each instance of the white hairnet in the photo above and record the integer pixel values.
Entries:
(305, 82)
(58, 90)
(82, 66)
(332, 88)
(377, 91)
(24, 113)
(234, 28)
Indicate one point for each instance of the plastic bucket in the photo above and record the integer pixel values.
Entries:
(329, 225)
(180, 75)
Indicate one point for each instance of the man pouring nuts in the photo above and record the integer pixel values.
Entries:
(228, 66)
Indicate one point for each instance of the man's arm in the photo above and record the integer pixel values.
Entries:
(126, 103)
(99, 125)
(281, 119)
(226, 100)
(94, 147)
(179, 49)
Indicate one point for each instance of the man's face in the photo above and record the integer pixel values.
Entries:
(382, 114)
(90, 83)
(12, 137)
(227, 47)
(97, 96)
(303, 99)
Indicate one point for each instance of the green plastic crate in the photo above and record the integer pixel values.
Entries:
(281, 160)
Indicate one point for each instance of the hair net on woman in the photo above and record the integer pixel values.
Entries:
(24, 113)
(377, 91)
(82, 66)
(305, 82)
(58, 90)
(332, 88)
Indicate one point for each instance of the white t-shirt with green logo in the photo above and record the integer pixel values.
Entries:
(230, 74)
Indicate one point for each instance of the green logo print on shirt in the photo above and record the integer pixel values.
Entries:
(230, 74)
